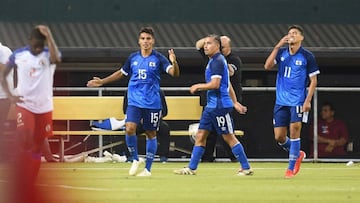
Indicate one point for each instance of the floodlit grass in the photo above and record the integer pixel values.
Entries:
(214, 182)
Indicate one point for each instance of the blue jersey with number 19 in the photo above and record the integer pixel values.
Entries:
(293, 76)
(217, 68)
(144, 82)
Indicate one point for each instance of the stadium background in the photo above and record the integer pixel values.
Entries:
(94, 36)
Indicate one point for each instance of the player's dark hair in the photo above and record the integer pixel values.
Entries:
(217, 39)
(36, 34)
(148, 30)
(298, 27)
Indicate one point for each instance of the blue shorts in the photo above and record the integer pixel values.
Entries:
(284, 115)
(149, 118)
(217, 119)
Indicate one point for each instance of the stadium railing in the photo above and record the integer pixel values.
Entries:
(173, 106)
(72, 108)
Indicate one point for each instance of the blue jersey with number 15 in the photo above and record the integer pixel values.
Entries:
(144, 82)
(293, 76)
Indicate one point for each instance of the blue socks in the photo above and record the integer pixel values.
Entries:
(196, 155)
(286, 145)
(151, 147)
(294, 152)
(131, 142)
(239, 153)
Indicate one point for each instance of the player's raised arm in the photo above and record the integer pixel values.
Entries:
(175, 70)
(55, 56)
(270, 61)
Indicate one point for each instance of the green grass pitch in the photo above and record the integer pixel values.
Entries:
(214, 182)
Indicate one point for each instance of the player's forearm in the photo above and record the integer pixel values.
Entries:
(232, 94)
(311, 89)
(53, 49)
(269, 63)
(200, 43)
(176, 69)
(111, 78)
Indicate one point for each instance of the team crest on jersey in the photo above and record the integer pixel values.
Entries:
(135, 63)
(152, 64)
(298, 62)
(282, 58)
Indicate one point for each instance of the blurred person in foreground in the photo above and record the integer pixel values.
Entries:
(5, 53)
(144, 68)
(221, 100)
(297, 68)
(35, 67)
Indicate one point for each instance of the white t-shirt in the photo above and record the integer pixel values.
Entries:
(35, 79)
(5, 53)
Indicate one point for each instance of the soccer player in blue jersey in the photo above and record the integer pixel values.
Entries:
(144, 68)
(297, 69)
(221, 99)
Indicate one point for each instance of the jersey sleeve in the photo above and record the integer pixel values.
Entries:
(126, 69)
(235, 62)
(278, 55)
(217, 67)
(164, 63)
(11, 62)
(313, 68)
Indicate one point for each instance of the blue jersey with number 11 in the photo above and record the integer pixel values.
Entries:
(293, 76)
(144, 82)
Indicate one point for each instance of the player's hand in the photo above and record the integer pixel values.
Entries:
(44, 30)
(95, 82)
(16, 99)
(283, 41)
(240, 108)
(306, 107)
(194, 88)
(172, 55)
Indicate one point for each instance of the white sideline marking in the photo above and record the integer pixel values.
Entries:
(76, 187)
(71, 187)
